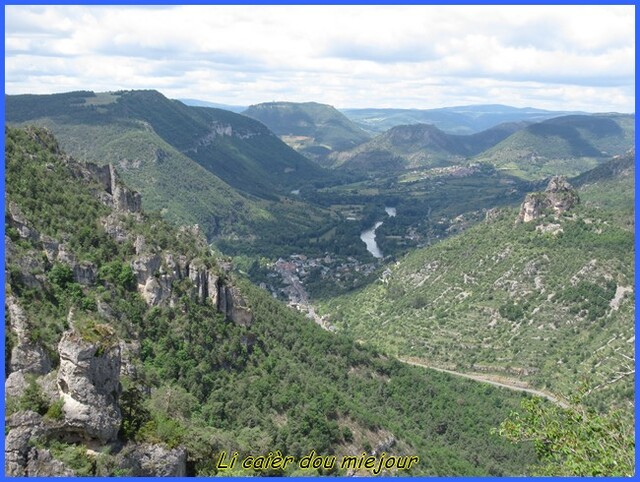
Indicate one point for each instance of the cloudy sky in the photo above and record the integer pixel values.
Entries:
(570, 57)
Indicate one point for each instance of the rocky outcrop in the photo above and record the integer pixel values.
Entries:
(27, 357)
(23, 428)
(153, 460)
(558, 197)
(89, 384)
(236, 308)
(156, 274)
(129, 353)
(28, 264)
(41, 463)
(199, 276)
(22, 457)
(114, 193)
(16, 220)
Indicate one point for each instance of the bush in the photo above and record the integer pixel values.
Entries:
(574, 441)
(55, 411)
(60, 275)
(73, 456)
(33, 398)
(511, 311)
(119, 274)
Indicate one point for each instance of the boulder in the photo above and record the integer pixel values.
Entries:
(153, 460)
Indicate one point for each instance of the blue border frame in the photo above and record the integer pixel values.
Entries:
(2, 144)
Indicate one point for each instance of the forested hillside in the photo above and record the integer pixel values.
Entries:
(419, 146)
(133, 350)
(221, 170)
(544, 294)
(568, 145)
(315, 130)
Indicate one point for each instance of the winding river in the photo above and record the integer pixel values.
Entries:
(368, 236)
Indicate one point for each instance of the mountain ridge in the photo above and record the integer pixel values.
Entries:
(219, 169)
(467, 119)
(566, 145)
(421, 145)
(312, 128)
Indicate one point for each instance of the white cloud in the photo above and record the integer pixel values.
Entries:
(565, 57)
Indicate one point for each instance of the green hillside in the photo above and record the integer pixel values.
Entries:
(240, 151)
(550, 301)
(419, 145)
(90, 277)
(313, 129)
(566, 145)
(221, 170)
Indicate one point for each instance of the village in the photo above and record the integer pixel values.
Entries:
(293, 279)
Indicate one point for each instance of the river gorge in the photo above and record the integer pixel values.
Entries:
(368, 236)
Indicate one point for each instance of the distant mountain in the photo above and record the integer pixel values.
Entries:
(203, 103)
(196, 164)
(419, 145)
(565, 145)
(549, 301)
(453, 120)
(313, 129)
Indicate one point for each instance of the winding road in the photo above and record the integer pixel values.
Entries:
(504, 384)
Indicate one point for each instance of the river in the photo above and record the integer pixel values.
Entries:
(368, 236)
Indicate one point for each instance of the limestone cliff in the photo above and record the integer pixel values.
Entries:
(89, 382)
(64, 384)
(558, 197)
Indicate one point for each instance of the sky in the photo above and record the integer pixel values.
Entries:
(550, 57)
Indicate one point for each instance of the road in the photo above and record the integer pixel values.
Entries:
(484, 379)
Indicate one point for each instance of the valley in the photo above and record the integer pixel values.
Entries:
(493, 248)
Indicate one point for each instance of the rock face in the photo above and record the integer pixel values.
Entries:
(42, 464)
(27, 357)
(22, 457)
(92, 359)
(147, 460)
(156, 273)
(23, 427)
(117, 195)
(89, 383)
(559, 196)
(236, 307)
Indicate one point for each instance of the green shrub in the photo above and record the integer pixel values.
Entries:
(33, 398)
(55, 411)
(574, 441)
(60, 275)
(511, 311)
(73, 456)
